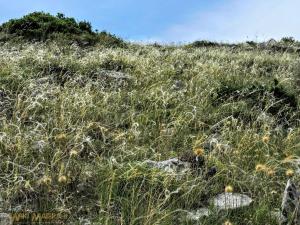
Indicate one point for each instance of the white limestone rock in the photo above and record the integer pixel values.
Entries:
(170, 165)
(198, 214)
(231, 201)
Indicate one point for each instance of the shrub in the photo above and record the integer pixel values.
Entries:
(110, 40)
(40, 26)
(288, 40)
(203, 43)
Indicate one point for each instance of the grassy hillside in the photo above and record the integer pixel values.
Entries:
(77, 124)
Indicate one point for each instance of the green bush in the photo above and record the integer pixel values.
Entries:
(110, 40)
(203, 43)
(40, 26)
(288, 40)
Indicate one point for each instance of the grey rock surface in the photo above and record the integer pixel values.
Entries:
(5, 219)
(290, 204)
(170, 165)
(198, 214)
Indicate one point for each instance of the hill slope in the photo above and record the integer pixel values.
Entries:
(78, 123)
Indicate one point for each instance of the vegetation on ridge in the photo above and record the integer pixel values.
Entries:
(40, 26)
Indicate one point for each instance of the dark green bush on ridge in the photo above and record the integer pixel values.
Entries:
(40, 26)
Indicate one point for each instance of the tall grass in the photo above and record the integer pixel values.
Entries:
(73, 140)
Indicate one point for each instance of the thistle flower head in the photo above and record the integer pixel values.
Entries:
(62, 179)
(61, 137)
(199, 151)
(260, 167)
(270, 172)
(266, 138)
(46, 180)
(228, 189)
(227, 222)
(73, 153)
(289, 173)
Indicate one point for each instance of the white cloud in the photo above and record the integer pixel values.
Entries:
(239, 21)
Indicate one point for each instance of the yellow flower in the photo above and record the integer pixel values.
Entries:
(270, 172)
(227, 222)
(288, 158)
(73, 153)
(61, 137)
(289, 173)
(228, 189)
(46, 180)
(236, 152)
(266, 138)
(260, 167)
(199, 151)
(62, 179)
(27, 185)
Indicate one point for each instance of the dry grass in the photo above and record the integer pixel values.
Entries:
(72, 139)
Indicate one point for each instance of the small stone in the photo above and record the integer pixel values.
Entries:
(170, 165)
(198, 214)
(39, 145)
(84, 221)
(178, 85)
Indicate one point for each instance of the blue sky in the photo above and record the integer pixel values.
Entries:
(174, 20)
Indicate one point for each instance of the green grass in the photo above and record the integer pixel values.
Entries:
(61, 117)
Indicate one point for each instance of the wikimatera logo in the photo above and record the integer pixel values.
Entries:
(14, 218)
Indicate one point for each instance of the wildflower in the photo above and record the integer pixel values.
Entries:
(260, 167)
(236, 152)
(62, 179)
(228, 189)
(199, 151)
(73, 153)
(61, 137)
(46, 180)
(288, 158)
(266, 138)
(289, 173)
(27, 185)
(270, 172)
(227, 222)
